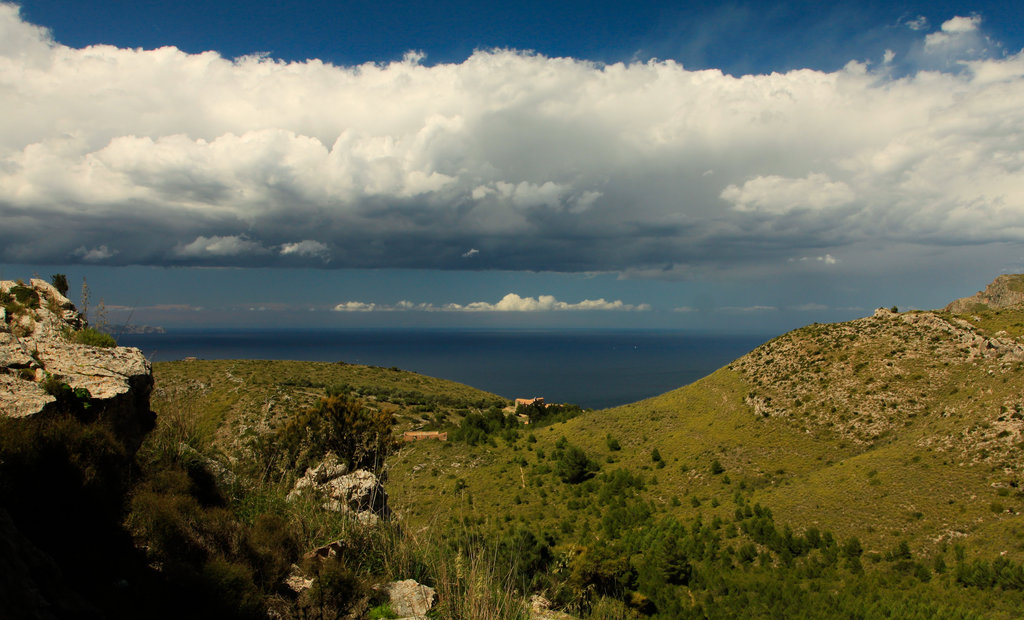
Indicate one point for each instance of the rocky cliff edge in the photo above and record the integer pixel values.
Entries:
(43, 370)
(1006, 291)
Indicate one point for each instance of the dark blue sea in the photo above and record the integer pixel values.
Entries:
(596, 369)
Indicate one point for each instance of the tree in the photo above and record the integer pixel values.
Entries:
(574, 466)
(60, 282)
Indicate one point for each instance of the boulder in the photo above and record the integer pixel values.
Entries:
(359, 493)
(409, 598)
(540, 609)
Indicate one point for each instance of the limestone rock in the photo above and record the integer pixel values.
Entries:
(297, 581)
(35, 352)
(540, 609)
(1006, 291)
(409, 598)
(359, 493)
(326, 471)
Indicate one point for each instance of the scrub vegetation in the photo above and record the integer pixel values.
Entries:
(862, 469)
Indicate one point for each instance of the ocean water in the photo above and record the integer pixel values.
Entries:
(591, 368)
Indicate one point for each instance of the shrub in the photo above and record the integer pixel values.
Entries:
(93, 338)
(360, 437)
(382, 612)
(574, 466)
(60, 481)
(25, 295)
(60, 282)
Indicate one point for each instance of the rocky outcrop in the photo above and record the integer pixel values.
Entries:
(42, 369)
(409, 599)
(964, 333)
(540, 609)
(1006, 291)
(359, 493)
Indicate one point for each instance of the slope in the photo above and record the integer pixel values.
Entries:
(895, 428)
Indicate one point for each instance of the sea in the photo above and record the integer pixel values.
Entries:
(591, 368)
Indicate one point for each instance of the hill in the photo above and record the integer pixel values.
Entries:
(233, 401)
(899, 430)
(1006, 291)
(892, 427)
(861, 469)
(896, 436)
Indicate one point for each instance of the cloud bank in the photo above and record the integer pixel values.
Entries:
(128, 156)
(508, 303)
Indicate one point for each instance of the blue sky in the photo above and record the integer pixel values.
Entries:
(753, 166)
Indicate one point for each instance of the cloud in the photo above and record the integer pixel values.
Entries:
(750, 308)
(959, 39)
(827, 259)
(775, 195)
(217, 246)
(917, 23)
(509, 303)
(355, 306)
(810, 307)
(95, 254)
(307, 248)
(551, 164)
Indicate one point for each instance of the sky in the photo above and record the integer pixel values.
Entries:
(748, 166)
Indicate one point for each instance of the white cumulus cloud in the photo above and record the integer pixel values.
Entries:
(230, 245)
(778, 195)
(509, 303)
(355, 306)
(551, 164)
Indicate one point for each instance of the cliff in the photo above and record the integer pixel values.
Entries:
(46, 366)
(1006, 291)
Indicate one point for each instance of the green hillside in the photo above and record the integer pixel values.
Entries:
(902, 431)
(886, 428)
(234, 401)
(861, 469)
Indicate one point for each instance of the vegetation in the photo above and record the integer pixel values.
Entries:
(865, 469)
(92, 337)
(360, 437)
(60, 282)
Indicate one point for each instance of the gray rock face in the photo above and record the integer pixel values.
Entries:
(359, 493)
(35, 352)
(1006, 291)
(409, 598)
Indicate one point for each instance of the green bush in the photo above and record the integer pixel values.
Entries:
(382, 612)
(93, 338)
(574, 466)
(25, 295)
(361, 437)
